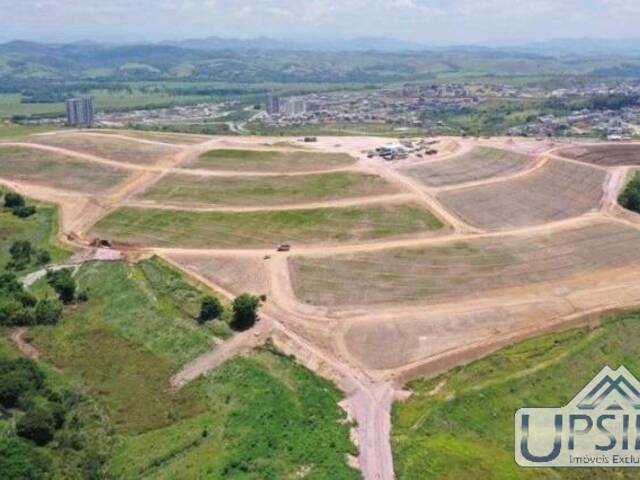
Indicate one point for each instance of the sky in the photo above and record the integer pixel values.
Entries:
(428, 22)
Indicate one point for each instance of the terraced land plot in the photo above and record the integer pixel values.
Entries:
(54, 170)
(461, 269)
(604, 155)
(270, 160)
(265, 190)
(176, 228)
(173, 138)
(480, 163)
(235, 274)
(557, 191)
(118, 149)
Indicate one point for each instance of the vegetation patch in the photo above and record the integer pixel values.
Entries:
(271, 160)
(267, 190)
(630, 197)
(262, 229)
(461, 424)
(38, 230)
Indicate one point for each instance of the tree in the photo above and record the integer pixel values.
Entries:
(24, 212)
(12, 386)
(630, 197)
(209, 309)
(63, 283)
(48, 312)
(20, 251)
(11, 311)
(43, 257)
(245, 311)
(13, 200)
(20, 460)
(37, 424)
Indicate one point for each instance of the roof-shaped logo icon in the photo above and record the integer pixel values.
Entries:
(610, 390)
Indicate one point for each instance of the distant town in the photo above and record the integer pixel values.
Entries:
(406, 108)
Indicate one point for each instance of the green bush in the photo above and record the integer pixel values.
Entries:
(13, 200)
(210, 308)
(19, 460)
(43, 257)
(24, 212)
(20, 251)
(48, 312)
(63, 283)
(17, 378)
(245, 311)
(630, 197)
(37, 425)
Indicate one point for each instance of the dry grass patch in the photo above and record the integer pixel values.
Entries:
(461, 269)
(235, 274)
(557, 191)
(265, 190)
(58, 171)
(118, 149)
(480, 163)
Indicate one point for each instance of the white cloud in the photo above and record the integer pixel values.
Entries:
(427, 21)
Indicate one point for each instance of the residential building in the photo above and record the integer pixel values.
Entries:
(80, 112)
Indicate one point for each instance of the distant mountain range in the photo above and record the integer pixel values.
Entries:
(378, 44)
(559, 46)
(554, 47)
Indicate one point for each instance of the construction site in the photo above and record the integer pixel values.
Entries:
(394, 269)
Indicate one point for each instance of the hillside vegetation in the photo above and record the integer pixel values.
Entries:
(461, 424)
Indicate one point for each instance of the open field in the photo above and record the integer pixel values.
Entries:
(174, 138)
(273, 190)
(170, 228)
(604, 155)
(463, 268)
(464, 427)
(235, 274)
(55, 170)
(270, 161)
(119, 149)
(554, 192)
(14, 131)
(478, 164)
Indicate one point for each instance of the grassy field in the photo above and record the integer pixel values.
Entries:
(39, 229)
(12, 131)
(270, 161)
(257, 417)
(339, 129)
(271, 190)
(262, 229)
(122, 150)
(57, 171)
(465, 430)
